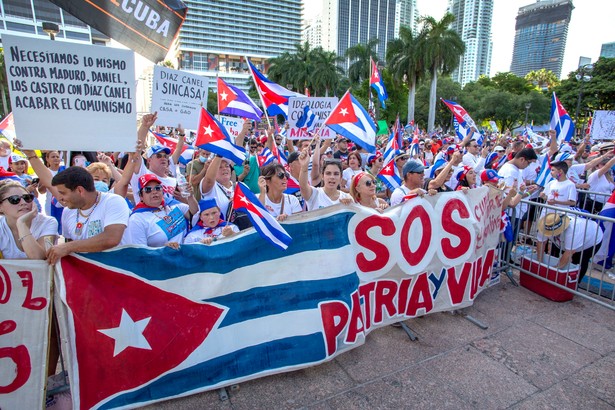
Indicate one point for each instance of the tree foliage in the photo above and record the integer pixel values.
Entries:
(359, 57)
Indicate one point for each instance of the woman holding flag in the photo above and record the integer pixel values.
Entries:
(327, 195)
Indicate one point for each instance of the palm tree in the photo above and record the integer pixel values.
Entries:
(327, 73)
(281, 68)
(543, 79)
(303, 66)
(441, 49)
(360, 54)
(405, 62)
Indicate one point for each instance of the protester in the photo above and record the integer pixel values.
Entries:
(363, 191)
(211, 225)
(328, 194)
(472, 158)
(354, 163)
(601, 180)
(5, 153)
(560, 191)
(466, 178)
(272, 184)
(218, 183)
(342, 149)
(53, 162)
(441, 172)
(154, 223)
(375, 163)
(413, 174)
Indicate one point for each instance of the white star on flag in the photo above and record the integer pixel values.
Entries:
(245, 200)
(208, 130)
(344, 111)
(376, 74)
(388, 168)
(223, 95)
(128, 334)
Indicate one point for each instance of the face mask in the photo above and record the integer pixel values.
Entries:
(101, 186)
(202, 159)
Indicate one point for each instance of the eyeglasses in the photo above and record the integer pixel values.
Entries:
(282, 175)
(333, 161)
(402, 159)
(162, 155)
(474, 146)
(149, 189)
(380, 159)
(15, 199)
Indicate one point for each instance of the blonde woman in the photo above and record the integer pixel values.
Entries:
(363, 191)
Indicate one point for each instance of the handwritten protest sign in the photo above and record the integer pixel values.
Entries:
(178, 97)
(603, 125)
(24, 322)
(211, 316)
(320, 106)
(71, 96)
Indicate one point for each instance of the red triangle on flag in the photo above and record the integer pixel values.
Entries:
(127, 331)
(388, 169)
(225, 95)
(208, 129)
(343, 112)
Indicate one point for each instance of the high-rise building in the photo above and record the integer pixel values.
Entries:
(473, 24)
(218, 34)
(346, 23)
(608, 50)
(25, 17)
(540, 36)
(406, 14)
(312, 32)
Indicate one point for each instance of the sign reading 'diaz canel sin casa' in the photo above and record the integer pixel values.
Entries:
(147, 27)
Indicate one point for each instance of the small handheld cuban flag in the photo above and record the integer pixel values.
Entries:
(274, 95)
(351, 120)
(377, 83)
(460, 113)
(264, 157)
(307, 119)
(264, 223)
(212, 136)
(561, 121)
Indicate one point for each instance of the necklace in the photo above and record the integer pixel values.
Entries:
(79, 226)
(167, 218)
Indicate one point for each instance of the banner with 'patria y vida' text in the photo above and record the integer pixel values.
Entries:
(147, 27)
(25, 287)
(73, 97)
(145, 325)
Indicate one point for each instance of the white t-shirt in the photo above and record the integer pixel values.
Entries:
(198, 235)
(398, 194)
(576, 173)
(582, 233)
(513, 177)
(561, 191)
(221, 194)
(156, 228)
(599, 183)
(320, 200)
(112, 209)
(477, 162)
(168, 184)
(291, 205)
(41, 226)
(348, 174)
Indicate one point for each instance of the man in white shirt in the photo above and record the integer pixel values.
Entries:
(472, 158)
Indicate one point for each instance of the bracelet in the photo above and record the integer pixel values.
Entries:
(24, 237)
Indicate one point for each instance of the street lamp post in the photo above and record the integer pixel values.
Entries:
(583, 76)
(528, 105)
(51, 28)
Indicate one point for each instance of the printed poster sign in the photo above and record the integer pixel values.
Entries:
(68, 96)
(241, 309)
(603, 125)
(178, 97)
(25, 287)
(320, 106)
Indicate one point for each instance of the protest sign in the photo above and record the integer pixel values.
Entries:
(603, 125)
(25, 287)
(320, 106)
(232, 124)
(69, 96)
(178, 97)
(242, 309)
(148, 27)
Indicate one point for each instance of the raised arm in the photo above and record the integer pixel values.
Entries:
(304, 184)
(43, 173)
(147, 121)
(210, 176)
(181, 137)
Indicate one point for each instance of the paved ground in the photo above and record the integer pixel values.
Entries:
(535, 354)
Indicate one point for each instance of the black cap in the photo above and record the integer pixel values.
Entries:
(293, 157)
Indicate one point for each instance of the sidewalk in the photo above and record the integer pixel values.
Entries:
(535, 354)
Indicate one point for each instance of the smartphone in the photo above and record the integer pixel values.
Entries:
(35, 180)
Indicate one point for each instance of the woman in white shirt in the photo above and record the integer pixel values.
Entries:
(272, 183)
(354, 162)
(327, 195)
(601, 180)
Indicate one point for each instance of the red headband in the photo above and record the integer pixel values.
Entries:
(356, 179)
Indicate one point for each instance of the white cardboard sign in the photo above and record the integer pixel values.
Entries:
(321, 106)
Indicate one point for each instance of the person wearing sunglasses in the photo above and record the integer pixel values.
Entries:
(327, 195)
(363, 191)
(374, 163)
(272, 183)
(153, 222)
(24, 233)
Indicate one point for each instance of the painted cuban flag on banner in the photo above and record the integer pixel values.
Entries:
(351, 120)
(561, 121)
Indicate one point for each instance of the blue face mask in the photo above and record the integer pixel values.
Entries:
(202, 159)
(101, 186)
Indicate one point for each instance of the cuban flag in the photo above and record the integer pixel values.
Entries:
(233, 101)
(460, 130)
(398, 132)
(170, 142)
(7, 127)
(605, 254)
(264, 223)
(377, 83)
(351, 120)
(535, 138)
(212, 136)
(307, 119)
(460, 113)
(544, 176)
(8, 175)
(389, 174)
(415, 148)
(561, 121)
(274, 96)
(264, 157)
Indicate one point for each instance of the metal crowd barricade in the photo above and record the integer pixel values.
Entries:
(598, 284)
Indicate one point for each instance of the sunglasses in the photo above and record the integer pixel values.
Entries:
(15, 199)
(149, 189)
(369, 183)
(282, 175)
(333, 161)
(162, 155)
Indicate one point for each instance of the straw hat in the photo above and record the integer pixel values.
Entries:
(553, 224)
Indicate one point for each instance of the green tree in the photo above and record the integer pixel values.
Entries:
(405, 62)
(359, 57)
(441, 50)
(543, 79)
(447, 89)
(327, 73)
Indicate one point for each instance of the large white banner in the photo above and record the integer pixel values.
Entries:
(24, 321)
(178, 97)
(320, 106)
(68, 96)
(603, 125)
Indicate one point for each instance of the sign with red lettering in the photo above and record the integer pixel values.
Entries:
(143, 325)
(24, 322)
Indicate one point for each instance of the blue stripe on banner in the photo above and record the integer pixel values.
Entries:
(161, 263)
(271, 300)
(251, 360)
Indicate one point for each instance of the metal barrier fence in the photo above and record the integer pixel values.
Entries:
(597, 283)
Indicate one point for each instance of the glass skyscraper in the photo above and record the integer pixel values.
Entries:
(218, 34)
(540, 36)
